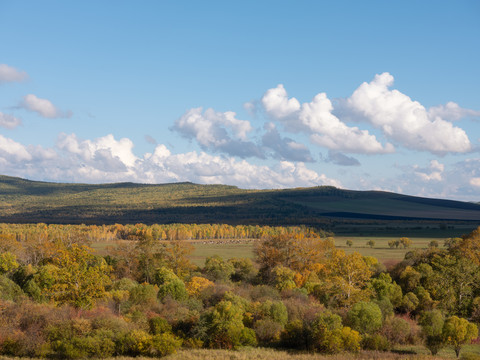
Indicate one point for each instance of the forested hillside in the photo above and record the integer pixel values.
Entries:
(326, 207)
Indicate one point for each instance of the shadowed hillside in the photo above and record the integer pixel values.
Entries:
(32, 201)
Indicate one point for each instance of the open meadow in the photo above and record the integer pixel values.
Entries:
(245, 248)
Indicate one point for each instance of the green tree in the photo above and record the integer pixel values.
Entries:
(223, 326)
(169, 284)
(432, 330)
(371, 243)
(217, 269)
(458, 332)
(365, 317)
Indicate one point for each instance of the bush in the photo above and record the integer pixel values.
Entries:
(169, 284)
(9, 290)
(375, 342)
(217, 269)
(365, 317)
(164, 344)
(243, 269)
(294, 336)
(159, 325)
(398, 331)
(268, 332)
(134, 343)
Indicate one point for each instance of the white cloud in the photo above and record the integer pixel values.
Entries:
(12, 151)
(475, 181)
(432, 173)
(316, 118)
(279, 107)
(109, 160)
(9, 121)
(201, 167)
(10, 74)
(218, 131)
(104, 152)
(43, 107)
(406, 121)
(451, 111)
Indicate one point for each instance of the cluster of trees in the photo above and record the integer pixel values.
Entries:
(145, 297)
(403, 242)
(95, 233)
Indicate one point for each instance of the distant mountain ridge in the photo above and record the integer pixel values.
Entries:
(24, 201)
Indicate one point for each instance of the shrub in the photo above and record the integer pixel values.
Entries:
(375, 342)
(283, 278)
(197, 284)
(268, 332)
(365, 317)
(351, 339)
(169, 284)
(164, 344)
(217, 269)
(326, 333)
(294, 336)
(243, 269)
(135, 343)
(398, 331)
(9, 290)
(159, 325)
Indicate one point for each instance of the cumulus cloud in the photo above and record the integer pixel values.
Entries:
(279, 107)
(12, 151)
(102, 153)
(316, 118)
(406, 121)
(432, 173)
(43, 107)
(218, 131)
(338, 158)
(9, 121)
(10, 74)
(451, 111)
(205, 168)
(284, 148)
(107, 159)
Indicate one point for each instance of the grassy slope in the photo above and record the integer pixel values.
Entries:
(30, 201)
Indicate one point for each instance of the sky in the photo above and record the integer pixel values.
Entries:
(361, 95)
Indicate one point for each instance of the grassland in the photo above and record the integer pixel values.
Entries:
(381, 250)
(400, 353)
(341, 211)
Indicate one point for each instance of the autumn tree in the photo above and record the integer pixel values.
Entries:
(295, 252)
(344, 278)
(77, 277)
(458, 332)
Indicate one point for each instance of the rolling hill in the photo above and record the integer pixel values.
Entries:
(25, 201)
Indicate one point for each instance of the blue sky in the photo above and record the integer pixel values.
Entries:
(259, 94)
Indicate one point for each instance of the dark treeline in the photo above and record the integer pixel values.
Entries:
(144, 297)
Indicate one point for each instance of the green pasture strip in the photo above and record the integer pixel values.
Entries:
(204, 249)
(245, 248)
